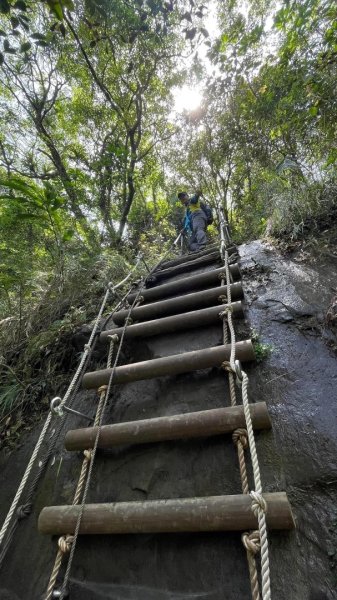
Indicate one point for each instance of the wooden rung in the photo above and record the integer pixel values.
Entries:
(184, 267)
(180, 304)
(184, 426)
(170, 365)
(189, 320)
(213, 513)
(185, 258)
(193, 282)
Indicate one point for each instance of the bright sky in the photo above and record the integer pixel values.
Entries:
(189, 97)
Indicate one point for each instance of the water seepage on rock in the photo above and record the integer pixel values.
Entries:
(287, 303)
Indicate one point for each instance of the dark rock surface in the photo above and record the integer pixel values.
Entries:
(287, 302)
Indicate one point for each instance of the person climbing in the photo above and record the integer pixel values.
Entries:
(196, 219)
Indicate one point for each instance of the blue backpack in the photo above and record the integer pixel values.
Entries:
(208, 213)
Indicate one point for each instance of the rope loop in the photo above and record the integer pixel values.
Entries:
(87, 455)
(65, 542)
(55, 406)
(102, 389)
(240, 436)
(24, 511)
(252, 541)
(226, 365)
(114, 338)
(226, 311)
(238, 372)
(258, 503)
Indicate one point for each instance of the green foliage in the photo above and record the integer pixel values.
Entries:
(262, 350)
(263, 143)
(10, 398)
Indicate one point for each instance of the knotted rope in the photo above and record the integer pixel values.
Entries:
(88, 463)
(10, 524)
(244, 438)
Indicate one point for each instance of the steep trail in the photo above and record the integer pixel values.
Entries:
(180, 565)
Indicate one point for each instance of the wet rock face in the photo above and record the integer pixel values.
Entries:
(286, 305)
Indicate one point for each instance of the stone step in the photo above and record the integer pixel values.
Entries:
(180, 304)
(170, 365)
(203, 423)
(212, 513)
(193, 282)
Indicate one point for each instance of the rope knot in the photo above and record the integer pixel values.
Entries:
(102, 389)
(240, 436)
(258, 503)
(224, 313)
(226, 365)
(24, 511)
(87, 455)
(64, 543)
(222, 276)
(252, 542)
(87, 347)
(222, 298)
(114, 338)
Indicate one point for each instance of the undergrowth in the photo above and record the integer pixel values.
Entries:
(262, 350)
(38, 356)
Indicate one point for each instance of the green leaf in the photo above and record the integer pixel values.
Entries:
(68, 235)
(190, 33)
(332, 157)
(8, 48)
(15, 22)
(187, 16)
(4, 7)
(56, 8)
(68, 4)
(24, 23)
(25, 47)
(21, 5)
(38, 36)
(42, 44)
(313, 111)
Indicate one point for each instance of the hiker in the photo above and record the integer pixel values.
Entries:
(196, 219)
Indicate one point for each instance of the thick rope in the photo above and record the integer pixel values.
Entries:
(25, 478)
(87, 350)
(251, 542)
(240, 435)
(86, 489)
(62, 548)
(24, 510)
(259, 505)
(98, 423)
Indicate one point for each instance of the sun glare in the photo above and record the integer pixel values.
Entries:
(187, 98)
